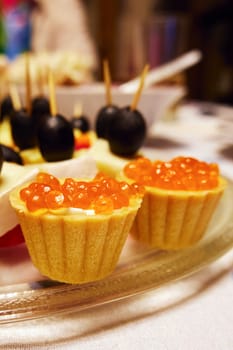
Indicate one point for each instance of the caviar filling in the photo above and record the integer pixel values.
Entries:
(180, 173)
(103, 194)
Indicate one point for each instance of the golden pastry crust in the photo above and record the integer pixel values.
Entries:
(175, 219)
(74, 248)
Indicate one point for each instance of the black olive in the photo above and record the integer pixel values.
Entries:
(23, 129)
(81, 123)
(55, 138)
(9, 155)
(6, 107)
(1, 159)
(40, 108)
(126, 132)
(103, 120)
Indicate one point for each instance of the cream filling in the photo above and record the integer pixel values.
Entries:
(88, 212)
(69, 211)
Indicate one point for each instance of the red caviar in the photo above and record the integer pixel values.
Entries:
(103, 194)
(180, 173)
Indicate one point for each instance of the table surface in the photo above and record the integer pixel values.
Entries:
(193, 313)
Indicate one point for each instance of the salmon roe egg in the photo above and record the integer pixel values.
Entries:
(103, 204)
(55, 199)
(102, 194)
(180, 173)
(48, 179)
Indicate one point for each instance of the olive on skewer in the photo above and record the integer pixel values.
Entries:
(7, 107)
(10, 155)
(55, 132)
(23, 127)
(40, 108)
(105, 114)
(79, 120)
(127, 130)
(40, 104)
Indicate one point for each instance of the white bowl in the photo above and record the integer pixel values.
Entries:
(153, 102)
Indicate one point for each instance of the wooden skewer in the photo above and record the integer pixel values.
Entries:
(107, 80)
(6, 85)
(77, 109)
(15, 97)
(52, 96)
(1, 89)
(4, 81)
(40, 80)
(28, 83)
(137, 95)
(3, 85)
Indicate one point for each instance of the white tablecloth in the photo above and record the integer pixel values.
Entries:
(194, 313)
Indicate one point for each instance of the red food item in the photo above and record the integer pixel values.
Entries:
(12, 238)
(181, 173)
(103, 194)
(82, 142)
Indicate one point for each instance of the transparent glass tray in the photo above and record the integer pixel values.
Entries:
(25, 294)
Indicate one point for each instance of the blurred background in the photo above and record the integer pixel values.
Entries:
(130, 33)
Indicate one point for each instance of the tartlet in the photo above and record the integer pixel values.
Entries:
(75, 243)
(180, 199)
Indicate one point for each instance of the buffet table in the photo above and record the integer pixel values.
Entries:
(194, 312)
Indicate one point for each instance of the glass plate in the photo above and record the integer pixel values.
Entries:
(25, 294)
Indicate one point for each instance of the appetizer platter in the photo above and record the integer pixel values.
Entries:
(93, 216)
